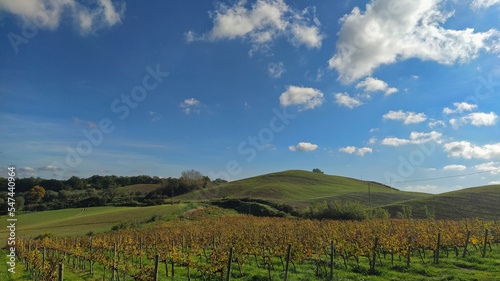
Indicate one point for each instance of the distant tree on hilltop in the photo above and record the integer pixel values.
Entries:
(316, 170)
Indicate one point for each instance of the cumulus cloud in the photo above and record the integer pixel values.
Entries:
(476, 119)
(492, 167)
(275, 69)
(344, 99)
(348, 149)
(408, 117)
(465, 149)
(454, 168)
(90, 16)
(480, 119)
(480, 4)
(371, 84)
(308, 98)
(191, 105)
(303, 147)
(415, 138)
(262, 22)
(459, 108)
(437, 123)
(359, 151)
(394, 30)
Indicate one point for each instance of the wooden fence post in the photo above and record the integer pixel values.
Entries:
(436, 257)
(372, 269)
(229, 264)
(155, 276)
(332, 249)
(485, 241)
(61, 270)
(466, 243)
(287, 260)
(409, 251)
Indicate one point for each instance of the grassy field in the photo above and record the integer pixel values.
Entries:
(483, 202)
(300, 188)
(68, 222)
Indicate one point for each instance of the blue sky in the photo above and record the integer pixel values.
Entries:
(399, 92)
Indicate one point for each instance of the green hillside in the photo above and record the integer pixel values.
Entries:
(67, 222)
(482, 202)
(300, 188)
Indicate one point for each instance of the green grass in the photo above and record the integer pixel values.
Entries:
(68, 222)
(483, 202)
(300, 188)
(472, 267)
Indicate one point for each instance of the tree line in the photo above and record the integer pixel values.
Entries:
(37, 194)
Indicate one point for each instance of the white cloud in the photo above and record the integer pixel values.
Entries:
(427, 187)
(454, 168)
(348, 149)
(308, 97)
(437, 123)
(346, 100)
(156, 116)
(372, 140)
(391, 141)
(460, 107)
(408, 117)
(494, 182)
(49, 13)
(476, 119)
(191, 105)
(395, 30)
(479, 4)
(275, 69)
(467, 150)
(262, 22)
(359, 151)
(415, 138)
(303, 147)
(307, 35)
(481, 119)
(371, 84)
(415, 77)
(492, 167)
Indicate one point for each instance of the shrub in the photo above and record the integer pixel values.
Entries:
(337, 210)
(378, 213)
(407, 213)
(42, 236)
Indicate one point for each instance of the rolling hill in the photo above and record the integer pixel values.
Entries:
(300, 188)
(67, 222)
(482, 202)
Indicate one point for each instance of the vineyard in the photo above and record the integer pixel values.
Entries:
(228, 247)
